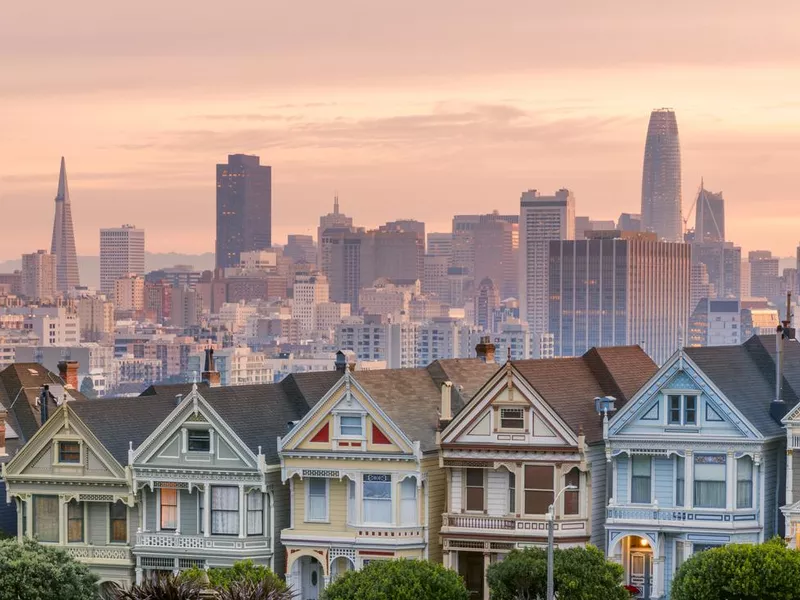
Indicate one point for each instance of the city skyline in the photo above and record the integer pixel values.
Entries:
(389, 128)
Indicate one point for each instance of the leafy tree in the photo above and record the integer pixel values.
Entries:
(32, 571)
(244, 571)
(87, 388)
(398, 580)
(767, 571)
(578, 574)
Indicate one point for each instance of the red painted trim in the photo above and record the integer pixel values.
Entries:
(378, 437)
(323, 435)
(374, 553)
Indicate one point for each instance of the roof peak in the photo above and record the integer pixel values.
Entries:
(63, 188)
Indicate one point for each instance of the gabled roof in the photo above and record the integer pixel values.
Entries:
(570, 385)
(468, 375)
(746, 375)
(20, 386)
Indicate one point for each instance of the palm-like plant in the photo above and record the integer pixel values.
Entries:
(161, 588)
(248, 590)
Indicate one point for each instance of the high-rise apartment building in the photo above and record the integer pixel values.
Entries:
(463, 237)
(96, 316)
(39, 275)
(334, 220)
(709, 216)
(121, 254)
(764, 274)
(661, 177)
(244, 208)
(301, 249)
(616, 289)
(542, 219)
(486, 301)
(186, 307)
(701, 289)
(63, 243)
(434, 277)
(723, 262)
(309, 291)
(496, 245)
(745, 279)
(129, 295)
(441, 244)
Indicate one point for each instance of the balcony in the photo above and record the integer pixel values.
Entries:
(367, 532)
(456, 523)
(681, 518)
(107, 555)
(172, 543)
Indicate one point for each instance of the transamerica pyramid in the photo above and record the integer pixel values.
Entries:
(63, 245)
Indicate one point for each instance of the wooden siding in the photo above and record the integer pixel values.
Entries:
(621, 496)
(497, 492)
(337, 507)
(97, 523)
(598, 474)
(189, 512)
(281, 502)
(455, 490)
(664, 470)
(436, 492)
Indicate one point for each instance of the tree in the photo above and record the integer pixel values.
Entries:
(32, 571)
(578, 574)
(767, 571)
(398, 580)
(87, 388)
(245, 571)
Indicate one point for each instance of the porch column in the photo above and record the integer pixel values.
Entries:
(658, 578)
(139, 571)
(207, 510)
(730, 475)
(446, 559)
(789, 479)
(62, 519)
(614, 487)
(487, 560)
(688, 479)
(242, 512)
(29, 516)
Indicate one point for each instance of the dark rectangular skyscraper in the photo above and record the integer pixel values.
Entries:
(244, 208)
(617, 289)
(709, 217)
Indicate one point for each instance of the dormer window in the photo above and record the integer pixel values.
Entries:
(682, 409)
(199, 440)
(512, 418)
(351, 426)
(69, 453)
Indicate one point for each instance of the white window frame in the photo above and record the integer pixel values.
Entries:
(652, 480)
(752, 483)
(57, 452)
(682, 394)
(338, 426)
(464, 488)
(401, 500)
(127, 524)
(392, 501)
(248, 495)
(523, 418)
(307, 487)
(177, 510)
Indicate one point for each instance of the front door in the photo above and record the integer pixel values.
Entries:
(641, 572)
(312, 579)
(470, 567)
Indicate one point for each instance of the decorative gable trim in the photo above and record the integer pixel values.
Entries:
(679, 362)
(193, 408)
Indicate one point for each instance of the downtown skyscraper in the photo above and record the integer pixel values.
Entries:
(244, 208)
(121, 254)
(63, 244)
(661, 178)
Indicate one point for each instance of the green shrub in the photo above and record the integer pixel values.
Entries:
(766, 571)
(243, 571)
(398, 580)
(578, 574)
(32, 571)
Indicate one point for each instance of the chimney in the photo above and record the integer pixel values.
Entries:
(778, 408)
(210, 375)
(340, 363)
(446, 412)
(179, 398)
(3, 416)
(485, 350)
(44, 396)
(68, 371)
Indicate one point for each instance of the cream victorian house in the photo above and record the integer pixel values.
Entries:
(363, 470)
(531, 431)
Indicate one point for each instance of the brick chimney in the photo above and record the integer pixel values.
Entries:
(210, 374)
(485, 350)
(3, 416)
(68, 371)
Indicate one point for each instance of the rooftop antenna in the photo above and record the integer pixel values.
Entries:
(336, 203)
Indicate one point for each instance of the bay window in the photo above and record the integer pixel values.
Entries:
(351, 501)
(169, 509)
(255, 513)
(74, 522)
(572, 498)
(45, 518)
(640, 480)
(474, 488)
(224, 510)
(317, 499)
(408, 502)
(680, 480)
(744, 482)
(377, 498)
(539, 491)
(709, 481)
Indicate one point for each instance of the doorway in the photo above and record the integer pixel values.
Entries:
(470, 567)
(640, 571)
(311, 578)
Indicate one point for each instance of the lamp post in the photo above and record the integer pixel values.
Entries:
(551, 517)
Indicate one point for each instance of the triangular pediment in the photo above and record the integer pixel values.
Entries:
(347, 420)
(194, 436)
(508, 411)
(681, 400)
(65, 449)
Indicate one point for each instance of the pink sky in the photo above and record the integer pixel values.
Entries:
(416, 109)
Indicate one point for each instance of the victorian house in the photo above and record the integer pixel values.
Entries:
(363, 470)
(530, 432)
(697, 459)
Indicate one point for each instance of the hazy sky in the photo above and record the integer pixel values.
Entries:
(414, 109)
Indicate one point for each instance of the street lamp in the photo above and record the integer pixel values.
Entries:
(551, 517)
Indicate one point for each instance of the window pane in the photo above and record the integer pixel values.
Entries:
(674, 410)
(538, 477)
(118, 514)
(69, 452)
(74, 522)
(512, 492)
(224, 510)
(317, 499)
(640, 480)
(350, 425)
(45, 518)
(512, 418)
(709, 484)
(537, 502)
(351, 501)
(744, 482)
(475, 477)
(169, 508)
(317, 486)
(199, 440)
(572, 498)
(690, 410)
(680, 476)
(641, 465)
(255, 513)
(475, 498)
(408, 502)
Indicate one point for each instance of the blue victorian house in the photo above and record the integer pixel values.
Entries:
(698, 459)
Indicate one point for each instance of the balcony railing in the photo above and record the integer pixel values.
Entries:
(396, 533)
(702, 517)
(99, 554)
(187, 543)
(480, 522)
(513, 525)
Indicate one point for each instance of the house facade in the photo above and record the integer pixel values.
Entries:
(697, 459)
(521, 440)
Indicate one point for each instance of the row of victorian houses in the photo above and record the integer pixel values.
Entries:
(457, 463)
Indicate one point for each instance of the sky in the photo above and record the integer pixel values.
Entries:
(408, 110)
